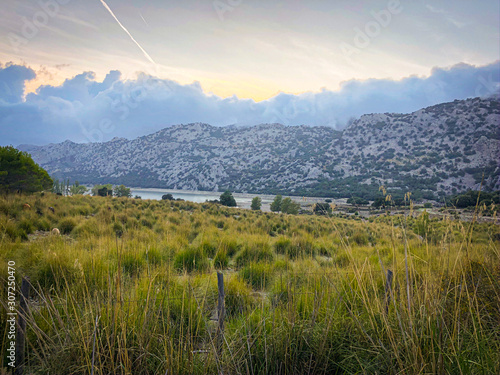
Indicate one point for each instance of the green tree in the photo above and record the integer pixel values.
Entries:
(102, 190)
(357, 201)
(276, 204)
(227, 199)
(289, 207)
(122, 191)
(58, 187)
(256, 204)
(18, 172)
(167, 197)
(77, 189)
(379, 202)
(322, 208)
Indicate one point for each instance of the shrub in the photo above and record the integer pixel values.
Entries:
(254, 252)
(289, 207)
(118, 229)
(191, 259)
(220, 260)
(237, 297)
(227, 199)
(298, 247)
(42, 224)
(360, 238)
(146, 223)
(231, 246)
(132, 263)
(26, 226)
(322, 208)
(155, 256)
(257, 275)
(67, 225)
(208, 248)
(355, 201)
(341, 260)
(301, 247)
(282, 245)
(54, 271)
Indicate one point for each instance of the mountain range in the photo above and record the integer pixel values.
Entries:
(443, 149)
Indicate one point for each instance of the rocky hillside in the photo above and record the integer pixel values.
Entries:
(441, 149)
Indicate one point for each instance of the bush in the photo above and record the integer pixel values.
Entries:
(282, 245)
(322, 208)
(298, 247)
(191, 259)
(42, 224)
(289, 207)
(208, 248)
(227, 199)
(360, 238)
(26, 226)
(231, 246)
(146, 223)
(237, 297)
(257, 275)
(254, 252)
(118, 229)
(301, 247)
(357, 201)
(341, 260)
(67, 225)
(220, 260)
(132, 263)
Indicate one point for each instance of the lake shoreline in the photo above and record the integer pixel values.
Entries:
(243, 200)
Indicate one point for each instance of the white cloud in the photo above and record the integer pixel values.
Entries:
(83, 109)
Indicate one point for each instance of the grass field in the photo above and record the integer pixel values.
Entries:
(133, 285)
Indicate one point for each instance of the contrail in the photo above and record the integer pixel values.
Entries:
(130, 35)
(147, 24)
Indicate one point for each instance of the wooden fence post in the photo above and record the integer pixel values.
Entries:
(21, 327)
(221, 312)
(388, 288)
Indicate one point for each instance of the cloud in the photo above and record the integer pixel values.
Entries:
(12, 79)
(82, 109)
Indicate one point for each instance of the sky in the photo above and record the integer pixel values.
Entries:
(92, 70)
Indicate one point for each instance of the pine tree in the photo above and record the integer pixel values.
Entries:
(276, 204)
(256, 204)
(19, 173)
(227, 199)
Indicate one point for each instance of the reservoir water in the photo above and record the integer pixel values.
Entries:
(243, 200)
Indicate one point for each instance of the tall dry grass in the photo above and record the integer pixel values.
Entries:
(130, 288)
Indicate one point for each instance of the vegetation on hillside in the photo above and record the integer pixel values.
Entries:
(303, 294)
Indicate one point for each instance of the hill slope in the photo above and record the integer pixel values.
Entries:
(444, 148)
